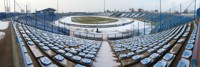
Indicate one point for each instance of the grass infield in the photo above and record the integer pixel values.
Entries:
(93, 20)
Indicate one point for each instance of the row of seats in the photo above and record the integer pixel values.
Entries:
(40, 57)
(173, 53)
(187, 53)
(63, 49)
(26, 56)
(147, 49)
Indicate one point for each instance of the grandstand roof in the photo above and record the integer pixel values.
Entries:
(48, 9)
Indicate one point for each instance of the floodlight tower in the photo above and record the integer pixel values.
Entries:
(5, 5)
(195, 9)
(104, 5)
(180, 10)
(14, 10)
(160, 16)
(57, 6)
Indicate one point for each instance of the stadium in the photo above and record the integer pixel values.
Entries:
(98, 36)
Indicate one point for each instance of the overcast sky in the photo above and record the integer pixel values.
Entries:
(97, 5)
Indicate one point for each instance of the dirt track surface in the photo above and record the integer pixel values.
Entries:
(6, 53)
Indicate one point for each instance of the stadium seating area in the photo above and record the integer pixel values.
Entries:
(159, 49)
(51, 18)
(4, 15)
(168, 20)
(51, 49)
(50, 46)
(42, 24)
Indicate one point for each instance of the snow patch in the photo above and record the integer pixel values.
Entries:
(120, 20)
(2, 35)
(3, 25)
(112, 30)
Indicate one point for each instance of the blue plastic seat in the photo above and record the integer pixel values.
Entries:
(160, 50)
(69, 55)
(86, 61)
(187, 54)
(146, 61)
(136, 57)
(28, 59)
(130, 54)
(161, 63)
(151, 50)
(59, 57)
(189, 46)
(54, 48)
(76, 58)
(30, 43)
(45, 61)
(67, 49)
(60, 51)
(79, 65)
(139, 51)
(183, 63)
(191, 41)
(45, 48)
(73, 51)
(41, 44)
(166, 46)
(123, 56)
(168, 56)
(81, 54)
(90, 56)
(154, 55)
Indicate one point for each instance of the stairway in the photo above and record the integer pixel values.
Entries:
(105, 57)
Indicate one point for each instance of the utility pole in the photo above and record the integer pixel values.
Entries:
(138, 30)
(26, 14)
(44, 20)
(170, 16)
(57, 6)
(9, 6)
(14, 10)
(5, 5)
(5, 8)
(36, 18)
(104, 6)
(160, 16)
(133, 30)
(195, 9)
(144, 28)
(180, 10)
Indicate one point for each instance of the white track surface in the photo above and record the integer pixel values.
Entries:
(110, 30)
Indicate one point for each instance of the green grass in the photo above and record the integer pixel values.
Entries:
(93, 20)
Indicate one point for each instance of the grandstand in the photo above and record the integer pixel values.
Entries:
(150, 39)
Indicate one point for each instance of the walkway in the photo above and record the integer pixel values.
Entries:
(105, 57)
(6, 49)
